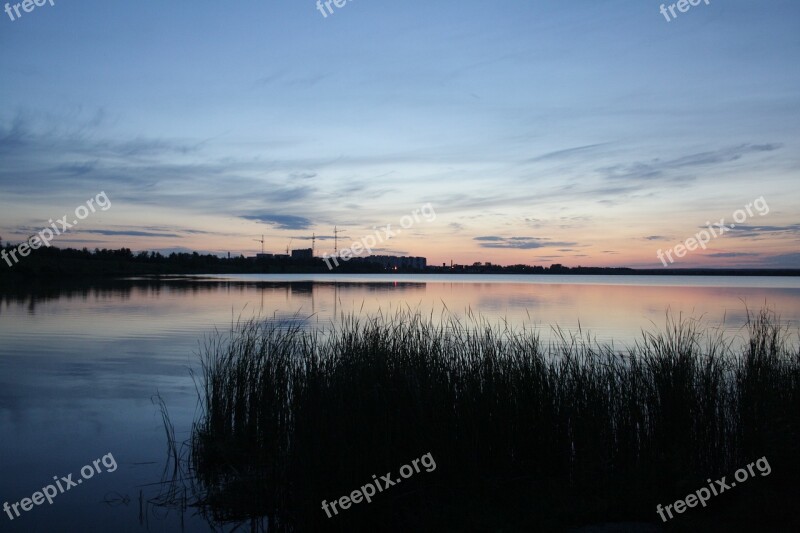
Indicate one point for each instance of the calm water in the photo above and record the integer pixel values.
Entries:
(78, 366)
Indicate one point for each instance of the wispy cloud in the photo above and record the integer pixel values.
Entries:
(657, 169)
(568, 153)
(519, 243)
(281, 221)
(745, 230)
(723, 155)
(129, 233)
(733, 254)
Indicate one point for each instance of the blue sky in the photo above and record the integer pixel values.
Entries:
(580, 132)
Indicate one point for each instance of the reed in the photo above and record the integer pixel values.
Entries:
(524, 433)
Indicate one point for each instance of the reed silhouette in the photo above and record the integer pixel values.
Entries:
(525, 434)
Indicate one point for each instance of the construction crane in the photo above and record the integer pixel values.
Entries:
(335, 240)
(288, 245)
(313, 241)
(262, 243)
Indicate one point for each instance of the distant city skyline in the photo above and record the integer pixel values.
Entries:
(579, 133)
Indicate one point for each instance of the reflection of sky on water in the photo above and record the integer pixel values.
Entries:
(78, 366)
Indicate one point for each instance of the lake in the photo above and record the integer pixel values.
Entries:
(80, 364)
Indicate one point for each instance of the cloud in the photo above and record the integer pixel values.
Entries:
(77, 169)
(567, 153)
(638, 171)
(658, 169)
(723, 155)
(518, 243)
(56, 155)
(790, 260)
(128, 233)
(745, 230)
(560, 222)
(655, 238)
(302, 175)
(199, 232)
(144, 147)
(733, 254)
(281, 221)
(388, 251)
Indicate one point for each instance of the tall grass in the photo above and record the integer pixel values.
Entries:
(525, 434)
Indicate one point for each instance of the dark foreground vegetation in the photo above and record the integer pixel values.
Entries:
(526, 436)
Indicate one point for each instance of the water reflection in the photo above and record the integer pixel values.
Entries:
(79, 362)
(610, 311)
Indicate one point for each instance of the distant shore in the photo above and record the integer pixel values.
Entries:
(53, 263)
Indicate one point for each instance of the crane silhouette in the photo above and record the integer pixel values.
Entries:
(262, 243)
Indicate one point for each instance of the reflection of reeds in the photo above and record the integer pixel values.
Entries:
(523, 434)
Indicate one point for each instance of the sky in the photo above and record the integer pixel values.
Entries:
(575, 132)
